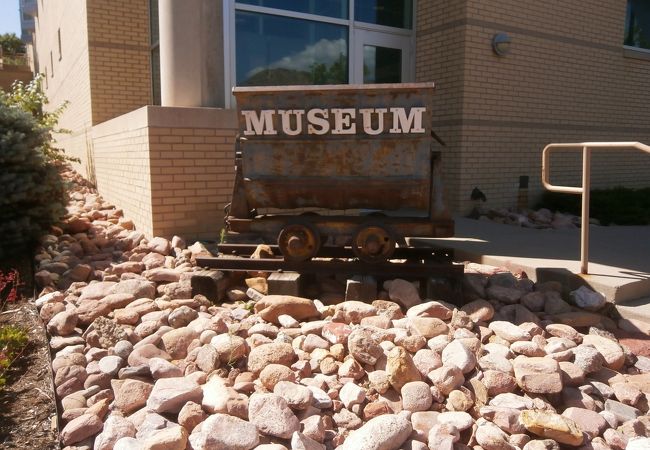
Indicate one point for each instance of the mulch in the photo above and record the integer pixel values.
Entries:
(28, 418)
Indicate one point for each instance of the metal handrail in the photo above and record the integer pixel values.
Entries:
(586, 183)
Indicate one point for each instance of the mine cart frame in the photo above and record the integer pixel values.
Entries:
(378, 173)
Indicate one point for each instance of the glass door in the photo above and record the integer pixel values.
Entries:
(381, 58)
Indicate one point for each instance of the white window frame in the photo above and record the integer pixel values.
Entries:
(230, 44)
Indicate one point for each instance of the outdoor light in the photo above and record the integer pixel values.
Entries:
(501, 44)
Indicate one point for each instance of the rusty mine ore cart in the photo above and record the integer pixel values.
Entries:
(361, 154)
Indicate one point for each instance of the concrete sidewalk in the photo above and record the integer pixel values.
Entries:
(619, 256)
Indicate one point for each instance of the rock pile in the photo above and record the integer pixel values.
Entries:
(141, 363)
(541, 219)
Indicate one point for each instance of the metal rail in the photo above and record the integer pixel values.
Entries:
(422, 269)
(587, 147)
(412, 253)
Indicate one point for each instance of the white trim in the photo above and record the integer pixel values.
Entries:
(637, 49)
(379, 39)
(356, 29)
(228, 52)
(287, 13)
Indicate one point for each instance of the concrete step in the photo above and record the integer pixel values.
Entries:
(634, 315)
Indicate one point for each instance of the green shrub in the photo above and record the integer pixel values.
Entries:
(32, 193)
(619, 205)
(12, 342)
(31, 99)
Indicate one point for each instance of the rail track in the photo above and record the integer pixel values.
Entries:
(412, 263)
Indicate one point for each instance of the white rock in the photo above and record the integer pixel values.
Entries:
(222, 431)
(587, 299)
(386, 432)
(456, 354)
(461, 420)
(351, 394)
(270, 413)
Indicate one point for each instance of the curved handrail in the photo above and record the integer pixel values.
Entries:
(586, 183)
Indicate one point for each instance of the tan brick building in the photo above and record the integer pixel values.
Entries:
(562, 72)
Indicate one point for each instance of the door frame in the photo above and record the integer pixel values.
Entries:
(364, 36)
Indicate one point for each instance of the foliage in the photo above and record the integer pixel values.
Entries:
(9, 283)
(31, 98)
(11, 44)
(620, 206)
(32, 193)
(12, 343)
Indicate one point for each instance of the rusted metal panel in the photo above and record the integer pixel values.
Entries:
(337, 147)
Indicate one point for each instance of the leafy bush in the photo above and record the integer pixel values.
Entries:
(11, 44)
(32, 193)
(9, 283)
(620, 206)
(31, 99)
(12, 342)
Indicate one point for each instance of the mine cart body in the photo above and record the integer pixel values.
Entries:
(363, 153)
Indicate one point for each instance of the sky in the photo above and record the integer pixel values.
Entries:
(9, 17)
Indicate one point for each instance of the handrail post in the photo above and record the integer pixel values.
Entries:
(584, 229)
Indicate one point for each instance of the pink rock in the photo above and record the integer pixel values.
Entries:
(274, 353)
(191, 415)
(81, 428)
(142, 354)
(162, 275)
(274, 373)
(132, 395)
(171, 394)
(433, 309)
(416, 396)
(403, 292)
(336, 332)
(353, 311)
(97, 290)
(498, 382)
(115, 428)
(63, 323)
(177, 341)
(160, 245)
(590, 422)
(221, 431)
(272, 416)
(538, 375)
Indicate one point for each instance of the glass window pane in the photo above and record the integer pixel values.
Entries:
(274, 50)
(155, 75)
(637, 24)
(392, 13)
(382, 64)
(329, 8)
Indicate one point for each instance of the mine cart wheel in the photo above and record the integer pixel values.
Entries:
(299, 242)
(373, 243)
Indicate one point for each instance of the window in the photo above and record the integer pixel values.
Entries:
(58, 35)
(329, 8)
(279, 42)
(385, 12)
(155, 51)
(275, 50)
(637, 24)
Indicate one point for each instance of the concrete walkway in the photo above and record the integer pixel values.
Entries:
(619, 256)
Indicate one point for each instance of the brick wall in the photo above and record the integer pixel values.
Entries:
(66, 72)
(192, 169)
(121, 165)
(440, 49)
(9, 74)
(119, 53)
(170, 169)
(566, 79)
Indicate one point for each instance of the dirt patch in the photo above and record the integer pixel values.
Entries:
(27, 409)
